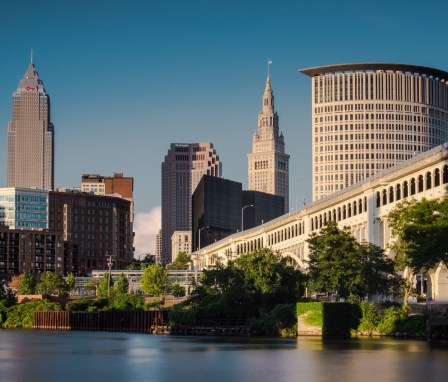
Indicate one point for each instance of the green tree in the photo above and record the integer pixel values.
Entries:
(255, 282)
(52, 284)
(340, 265)
(332, 260)
(7, 296)
(154, 280)
(178, 290)
(421, 228)
(103, 289)
(27, 284)
(70, 282)
(182, 261)
(122, 284)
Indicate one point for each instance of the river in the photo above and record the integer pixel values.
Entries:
(47, 356)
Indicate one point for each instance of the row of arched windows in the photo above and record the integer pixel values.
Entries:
(286, 233)
(249, 246)
(414, 186)
(346, 211)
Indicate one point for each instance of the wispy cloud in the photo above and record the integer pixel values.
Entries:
(146, 227)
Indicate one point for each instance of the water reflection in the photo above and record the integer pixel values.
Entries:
(27, 355)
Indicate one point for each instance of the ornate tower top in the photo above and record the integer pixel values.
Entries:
(30, 81)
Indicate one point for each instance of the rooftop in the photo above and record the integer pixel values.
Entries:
(376, 66)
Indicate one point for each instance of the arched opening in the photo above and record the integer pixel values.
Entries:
(391, 194)
(378, 200)
(384, 197)
(398, 191)
(405, 189)
(413, 186)
(436, 177)
(420, 183)
(428, 181)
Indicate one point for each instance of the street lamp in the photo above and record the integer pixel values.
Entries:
(199, 230)
(242, 215)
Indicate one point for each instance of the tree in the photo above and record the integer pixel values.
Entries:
(15, 281)
(421, 228)
(70, 282)
(182, 261)
(154, 280)
(52, 284)
(178, 290)
(255, 282)
(332, 259)
(27, 284)
(7, 296)
(138, 264)
(340, 265)
(103, 288)
(122, 284)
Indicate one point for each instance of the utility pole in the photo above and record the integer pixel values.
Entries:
(109, 264)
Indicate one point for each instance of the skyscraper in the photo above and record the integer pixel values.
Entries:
(31, 135)
(268, 163)
(182, 170)
(368, 117)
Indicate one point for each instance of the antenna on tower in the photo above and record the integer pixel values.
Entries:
(31, 55)
(269, 64)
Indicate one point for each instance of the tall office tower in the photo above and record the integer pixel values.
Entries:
(31, 135)
(368, 117)
(268, 163)
(182, 170)
(159, 247)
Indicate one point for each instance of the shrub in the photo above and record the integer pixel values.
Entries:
(390, 320)
(127, 302)
(23, 315)
(281, 320)
(370, 319)
(182, 316)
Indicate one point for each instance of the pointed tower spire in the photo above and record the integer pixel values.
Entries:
(269, 64)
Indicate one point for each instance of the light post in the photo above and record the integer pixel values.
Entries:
(109, 264)
(242, 215)
(199, 230)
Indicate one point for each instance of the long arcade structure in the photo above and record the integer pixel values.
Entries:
(362, 207)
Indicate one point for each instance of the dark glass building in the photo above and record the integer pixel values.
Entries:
(265, 207)
(216, 210)
(220, 206)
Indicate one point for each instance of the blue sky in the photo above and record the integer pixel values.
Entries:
(127, 77)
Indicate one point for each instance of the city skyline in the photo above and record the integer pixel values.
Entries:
(128, 82)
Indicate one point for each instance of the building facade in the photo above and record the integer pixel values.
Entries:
(221, 208)
(31, 135)
(262, 208)
(362, 207)
(180, 242)
(268, 165)
(368, 117)
(182, 170)
(23, 208)
(216, 210)
(159, 247)
(97, 227)
(33, 251)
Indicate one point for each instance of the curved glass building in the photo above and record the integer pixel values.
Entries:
(368, 117)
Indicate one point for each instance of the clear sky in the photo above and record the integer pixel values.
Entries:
(128, 77)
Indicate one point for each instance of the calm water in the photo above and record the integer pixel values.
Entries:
(27, 355)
